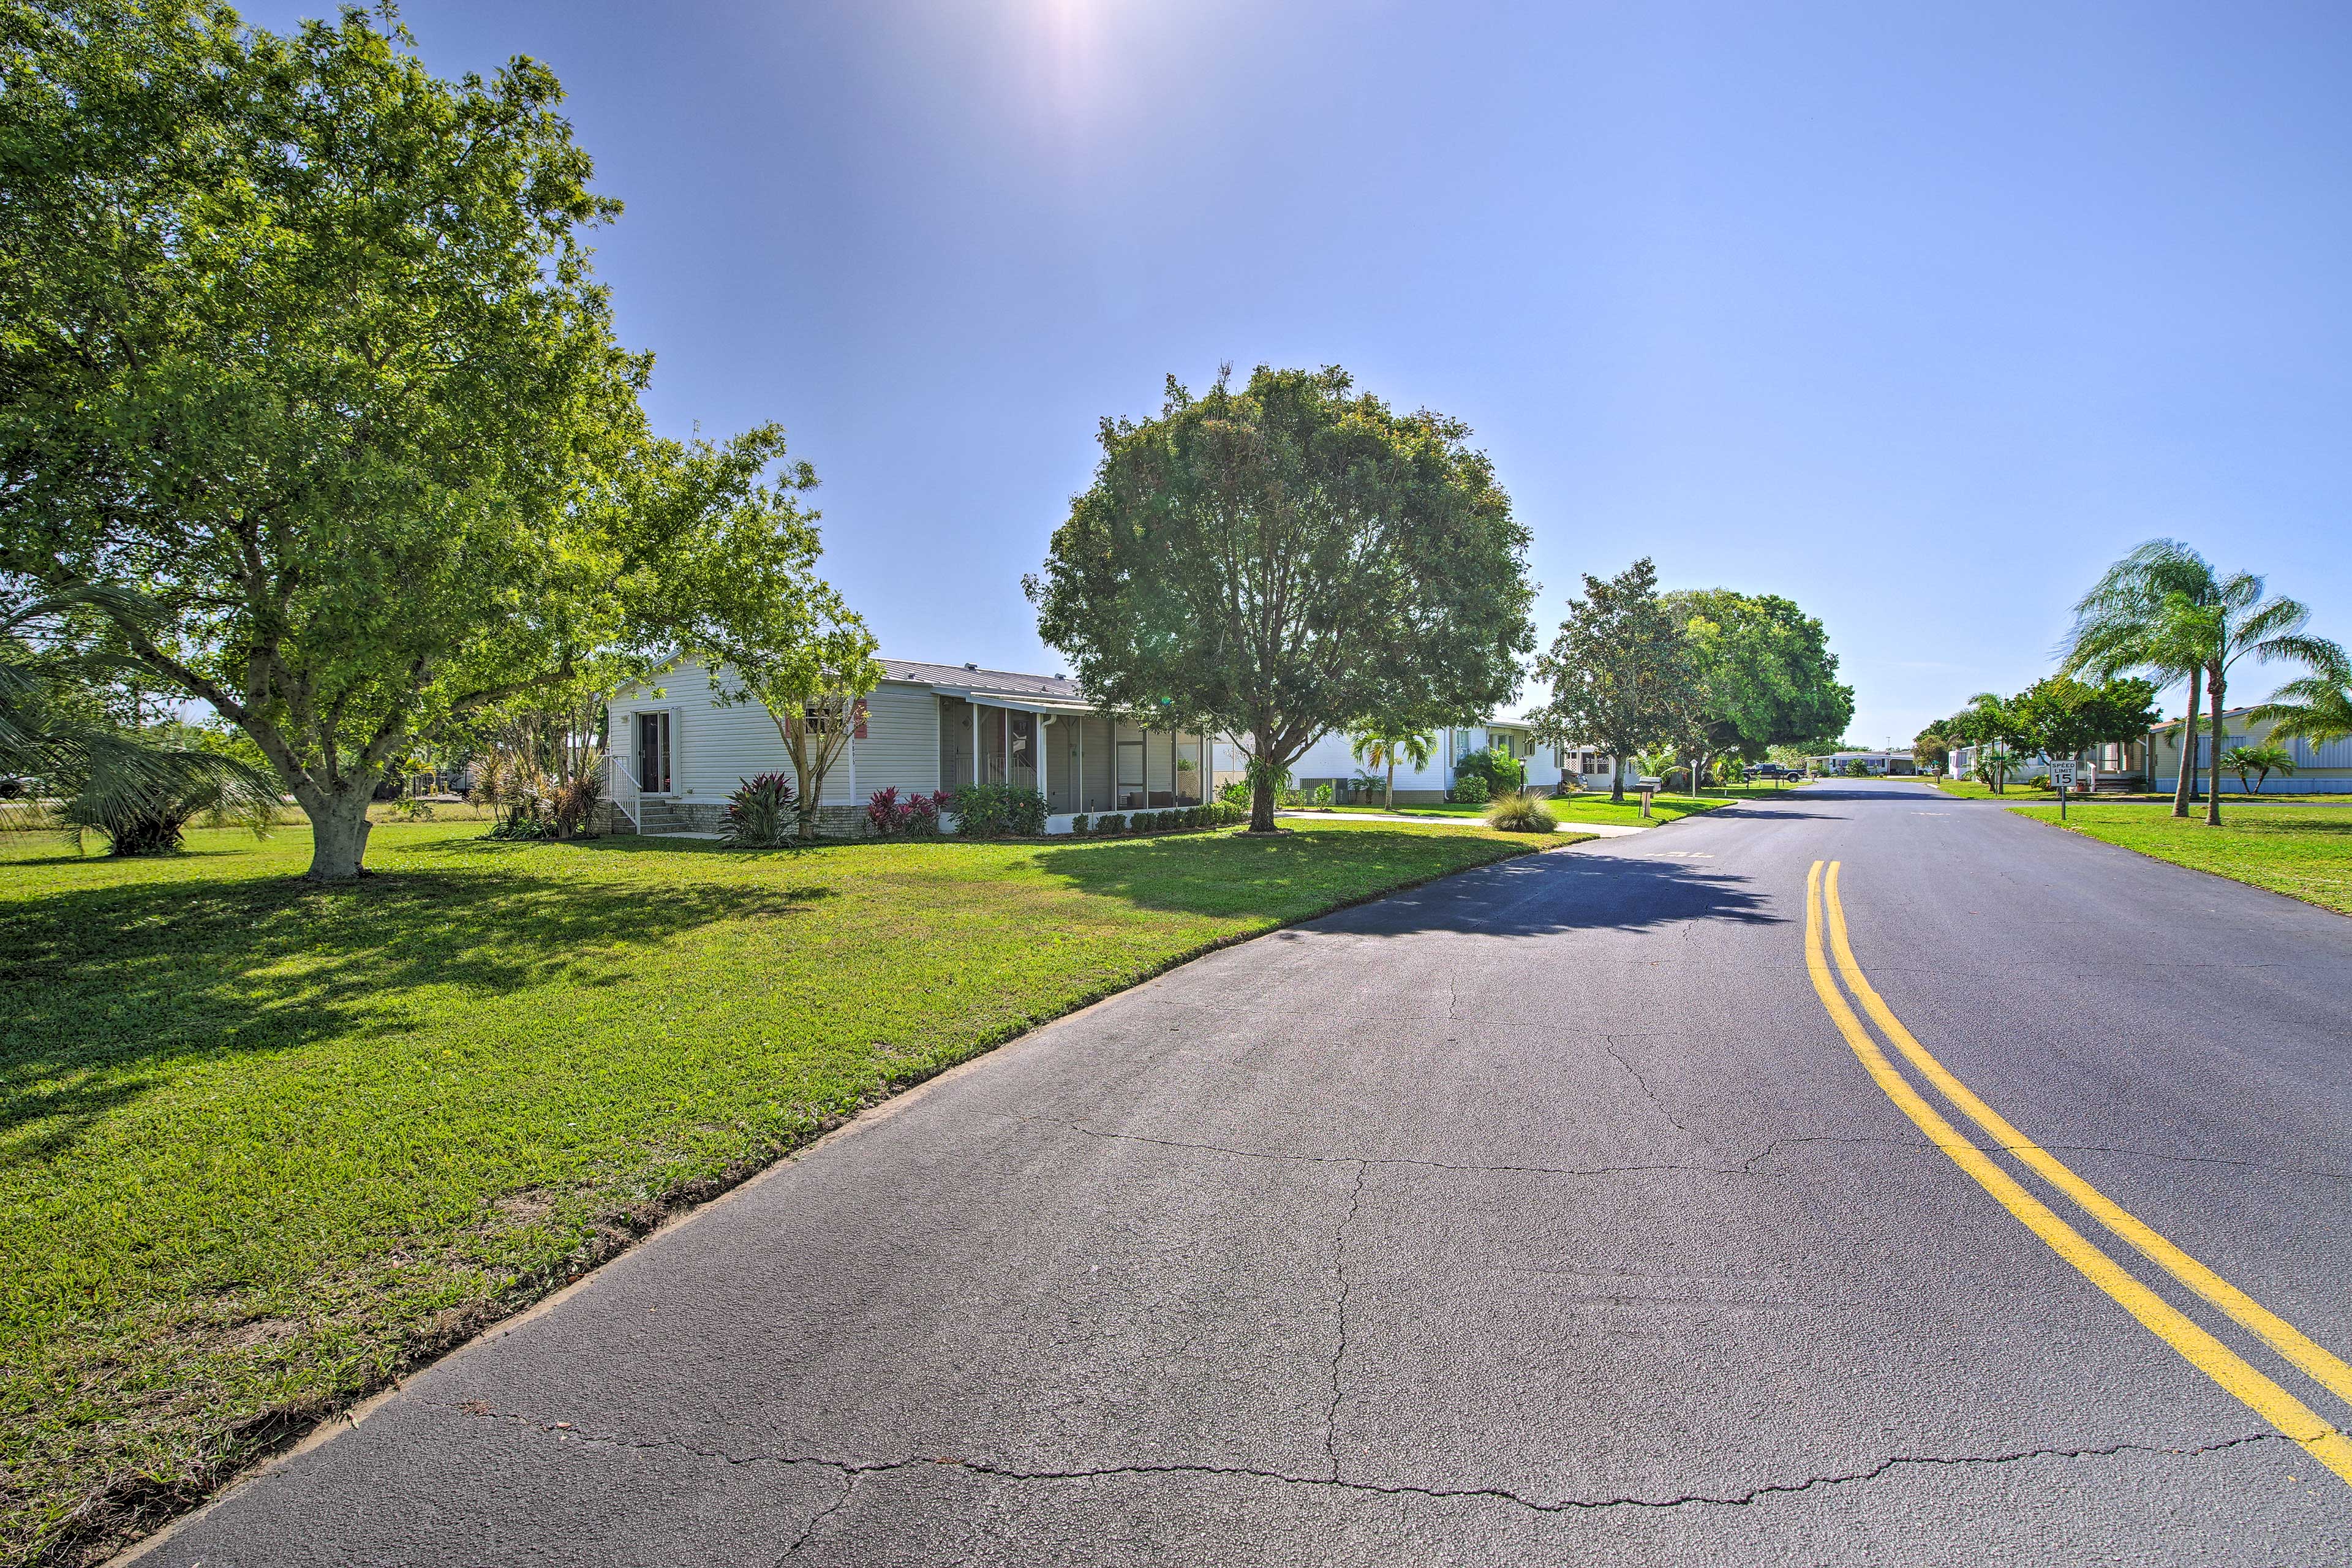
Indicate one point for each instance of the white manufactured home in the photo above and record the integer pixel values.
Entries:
(675, 753)
(1332, 760)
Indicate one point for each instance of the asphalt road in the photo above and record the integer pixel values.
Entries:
(1539, 1215)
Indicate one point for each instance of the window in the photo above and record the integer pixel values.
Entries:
(653, 753)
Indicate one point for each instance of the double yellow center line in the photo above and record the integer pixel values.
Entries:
(2201, 1348)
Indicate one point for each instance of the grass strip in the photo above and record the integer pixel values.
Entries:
(264, 1146)
(2304, 853)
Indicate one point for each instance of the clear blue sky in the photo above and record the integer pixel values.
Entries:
(1918, 314)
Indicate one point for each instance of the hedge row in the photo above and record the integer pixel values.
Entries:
(1111, 823)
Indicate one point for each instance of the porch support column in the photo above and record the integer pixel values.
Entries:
(975, 740)
(1040, 729)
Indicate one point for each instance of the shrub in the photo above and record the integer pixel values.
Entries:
(1521, 812)
(1469, 789)
(1197, 818)
(1114, 822)
(985, 811)
(1235, 794)
(885, 813)
(1503, 774)
(759, 814)
(1857, 769)
(1078, 825)
(922, 813)
(1323, 797)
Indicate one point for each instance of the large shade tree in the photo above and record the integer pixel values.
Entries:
(1286, 558)
(2062, 717)
(302, 346)
(1761, 676)
(1620, 671)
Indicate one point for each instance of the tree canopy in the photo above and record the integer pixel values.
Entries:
(302, 344)
(1284, 559)
(1762, 671)
(1620, 671)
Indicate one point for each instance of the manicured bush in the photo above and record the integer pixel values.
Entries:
(1024, 812)
(1469, 789)
(1078, 825)
(1168, 822)
(1114, 822)
(1503, 774)
(1521, 812)
(986, 811)
(759, 814)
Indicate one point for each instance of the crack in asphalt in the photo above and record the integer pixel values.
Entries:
(853, 1470)
(1339, 1349)
(1740, 1169)
(1609, 1044)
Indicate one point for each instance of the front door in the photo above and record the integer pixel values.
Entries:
(653, 753)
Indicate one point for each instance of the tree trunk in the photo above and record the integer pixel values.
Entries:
(1616, 781)
(2188, 768)
(1261, 800)
(1388, 800)
(2214, 684)
(339, 831)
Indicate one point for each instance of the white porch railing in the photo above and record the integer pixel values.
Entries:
(620, 789)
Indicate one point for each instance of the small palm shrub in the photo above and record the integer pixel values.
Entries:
(1521, 812)
(759, 814)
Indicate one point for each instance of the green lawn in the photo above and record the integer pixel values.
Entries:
(2305, 854)
(262, 1145)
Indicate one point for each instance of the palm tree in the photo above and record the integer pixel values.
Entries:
(1381, 747)
(2315, 708)
(2256, 765)
(2147, 614)
(2250, 621)
(130, 789)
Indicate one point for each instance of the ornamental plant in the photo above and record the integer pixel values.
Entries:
(759, 814)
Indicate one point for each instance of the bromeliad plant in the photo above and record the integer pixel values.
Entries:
(760, 814)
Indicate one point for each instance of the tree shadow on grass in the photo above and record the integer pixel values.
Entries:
(107, 986)
(1294, 875)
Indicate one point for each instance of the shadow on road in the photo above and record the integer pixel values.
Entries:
(1550, 894)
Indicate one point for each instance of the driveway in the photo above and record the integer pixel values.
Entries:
(1539, 1215)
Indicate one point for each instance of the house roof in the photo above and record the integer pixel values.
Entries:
(971, 678)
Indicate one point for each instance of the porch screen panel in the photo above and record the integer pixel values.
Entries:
(1131, 776)
(1020, 750)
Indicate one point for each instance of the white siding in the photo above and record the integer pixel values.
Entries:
(714, 748)
(902, 742)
